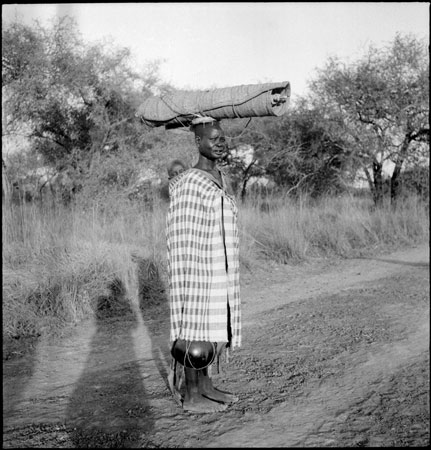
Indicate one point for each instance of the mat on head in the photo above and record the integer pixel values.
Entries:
(179, 108)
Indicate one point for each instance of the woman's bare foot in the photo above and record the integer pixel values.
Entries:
(207, 389)
(200, 404)
(213, 393)
(221, 396)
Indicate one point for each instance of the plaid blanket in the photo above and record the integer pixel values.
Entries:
(203, 259)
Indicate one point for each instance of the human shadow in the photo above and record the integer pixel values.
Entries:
(109, 407)
(20, 358)
(19, 361)
(154, 308)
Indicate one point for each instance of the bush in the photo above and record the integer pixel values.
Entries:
(416, 182)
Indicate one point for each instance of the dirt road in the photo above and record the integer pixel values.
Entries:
(335, 353)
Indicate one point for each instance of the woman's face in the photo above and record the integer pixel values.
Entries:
(212, 144)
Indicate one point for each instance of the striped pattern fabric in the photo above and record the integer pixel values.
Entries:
(203, 259)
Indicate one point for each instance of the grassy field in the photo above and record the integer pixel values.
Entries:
(58, 262)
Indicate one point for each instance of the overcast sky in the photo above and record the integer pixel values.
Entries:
(206, 45)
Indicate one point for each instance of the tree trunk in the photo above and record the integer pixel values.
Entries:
(369, 180)
(244, 189)
(245, 178)
(6, 190)
(378, 183)
(396, 175)
(396, 182)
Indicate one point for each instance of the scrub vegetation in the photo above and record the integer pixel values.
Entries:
(57, 262)
(79, 206)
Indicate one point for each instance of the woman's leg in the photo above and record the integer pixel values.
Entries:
(194, 400)
(207, 389)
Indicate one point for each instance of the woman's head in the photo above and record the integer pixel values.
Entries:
(210, 140)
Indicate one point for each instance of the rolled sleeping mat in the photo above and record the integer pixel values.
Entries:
(179, 108)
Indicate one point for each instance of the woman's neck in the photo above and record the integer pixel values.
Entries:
(210, 167)
(207, 165)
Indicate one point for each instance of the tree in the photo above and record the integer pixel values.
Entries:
(248, 144)
(380, 105)
(296, 151)
(75, 103)
(309, 158)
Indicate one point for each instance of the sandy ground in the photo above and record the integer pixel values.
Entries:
(335, 353)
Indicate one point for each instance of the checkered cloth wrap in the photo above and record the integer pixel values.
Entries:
(200, 285)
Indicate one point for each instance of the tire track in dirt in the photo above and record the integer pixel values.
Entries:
(322, 277)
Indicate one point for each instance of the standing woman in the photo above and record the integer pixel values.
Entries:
(203, 267)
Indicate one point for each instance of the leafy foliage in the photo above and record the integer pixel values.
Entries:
(296, 151)
(380, 103)
(77, 101)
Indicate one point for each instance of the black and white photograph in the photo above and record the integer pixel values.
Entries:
(215, 224)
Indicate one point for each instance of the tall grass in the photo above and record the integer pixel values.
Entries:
(58, 261)
(286, 230)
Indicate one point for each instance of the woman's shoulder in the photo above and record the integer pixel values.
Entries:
(188, 181)
(198, 177)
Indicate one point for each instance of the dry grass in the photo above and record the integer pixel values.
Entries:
(58, 262)
(346, 226)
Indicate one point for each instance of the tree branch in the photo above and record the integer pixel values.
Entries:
(37, 134)
(297, 184)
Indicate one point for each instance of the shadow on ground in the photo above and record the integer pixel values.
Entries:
(109, 407)
(154, 308)
(18, 368)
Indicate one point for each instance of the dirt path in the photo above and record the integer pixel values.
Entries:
(335, 353)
